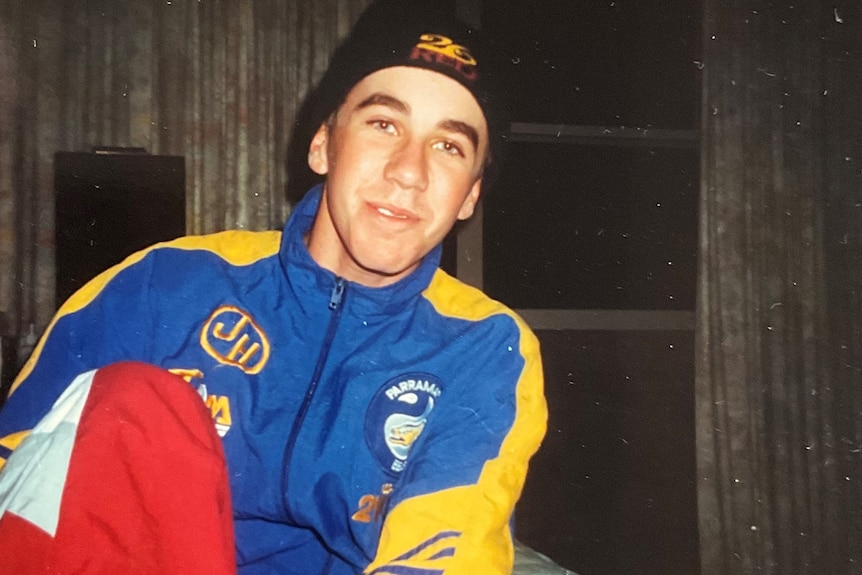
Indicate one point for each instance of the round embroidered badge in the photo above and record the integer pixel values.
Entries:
(397, 415)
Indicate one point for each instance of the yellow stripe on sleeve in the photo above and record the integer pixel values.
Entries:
(481, 511)
(11, 442)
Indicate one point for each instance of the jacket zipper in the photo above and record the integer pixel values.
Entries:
(335, 307)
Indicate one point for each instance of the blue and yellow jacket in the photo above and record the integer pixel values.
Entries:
(377, 430)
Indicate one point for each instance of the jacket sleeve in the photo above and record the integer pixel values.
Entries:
(451, 511)
(101, 323)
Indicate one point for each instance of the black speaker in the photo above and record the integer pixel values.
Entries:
(109, 205)
(8, 361)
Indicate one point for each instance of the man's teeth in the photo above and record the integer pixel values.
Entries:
(386, 212)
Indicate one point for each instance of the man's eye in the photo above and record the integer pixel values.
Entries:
(383, 126)
(449, 148)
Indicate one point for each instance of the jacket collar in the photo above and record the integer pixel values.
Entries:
(304, 273)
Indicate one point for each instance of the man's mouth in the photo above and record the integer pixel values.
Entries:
(391, 214)
(394, 212)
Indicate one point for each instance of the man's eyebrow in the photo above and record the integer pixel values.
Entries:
(457, 126)
(464, 128)
(381, 99)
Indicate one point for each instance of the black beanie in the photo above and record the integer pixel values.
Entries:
(422, 34)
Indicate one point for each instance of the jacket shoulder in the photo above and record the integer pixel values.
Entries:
(238, 247)
(453, 298)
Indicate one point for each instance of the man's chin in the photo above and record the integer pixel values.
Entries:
(382, 273)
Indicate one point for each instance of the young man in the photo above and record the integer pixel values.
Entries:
(375, 414)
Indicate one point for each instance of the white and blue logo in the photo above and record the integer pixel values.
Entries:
(397, 416)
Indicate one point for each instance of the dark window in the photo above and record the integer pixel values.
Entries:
(593, 227)
(613, 490)
(595, 215)
(612, 63)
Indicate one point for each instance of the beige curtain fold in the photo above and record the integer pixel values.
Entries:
(216, 81)
(778, 343)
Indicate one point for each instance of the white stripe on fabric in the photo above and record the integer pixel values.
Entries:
(32, 481)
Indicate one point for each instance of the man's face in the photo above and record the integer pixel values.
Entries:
(403, 159)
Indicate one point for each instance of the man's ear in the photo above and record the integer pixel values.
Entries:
(318, 160)
(469, 204)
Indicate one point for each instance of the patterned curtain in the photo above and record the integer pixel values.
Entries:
(779, 368)
(216, 81)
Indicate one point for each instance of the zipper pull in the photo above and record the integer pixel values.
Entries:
(337, 293)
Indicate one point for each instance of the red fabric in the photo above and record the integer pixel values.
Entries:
(147, 490)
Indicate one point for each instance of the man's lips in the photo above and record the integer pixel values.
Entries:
(393, 212)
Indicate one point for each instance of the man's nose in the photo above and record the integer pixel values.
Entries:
(408, 165)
